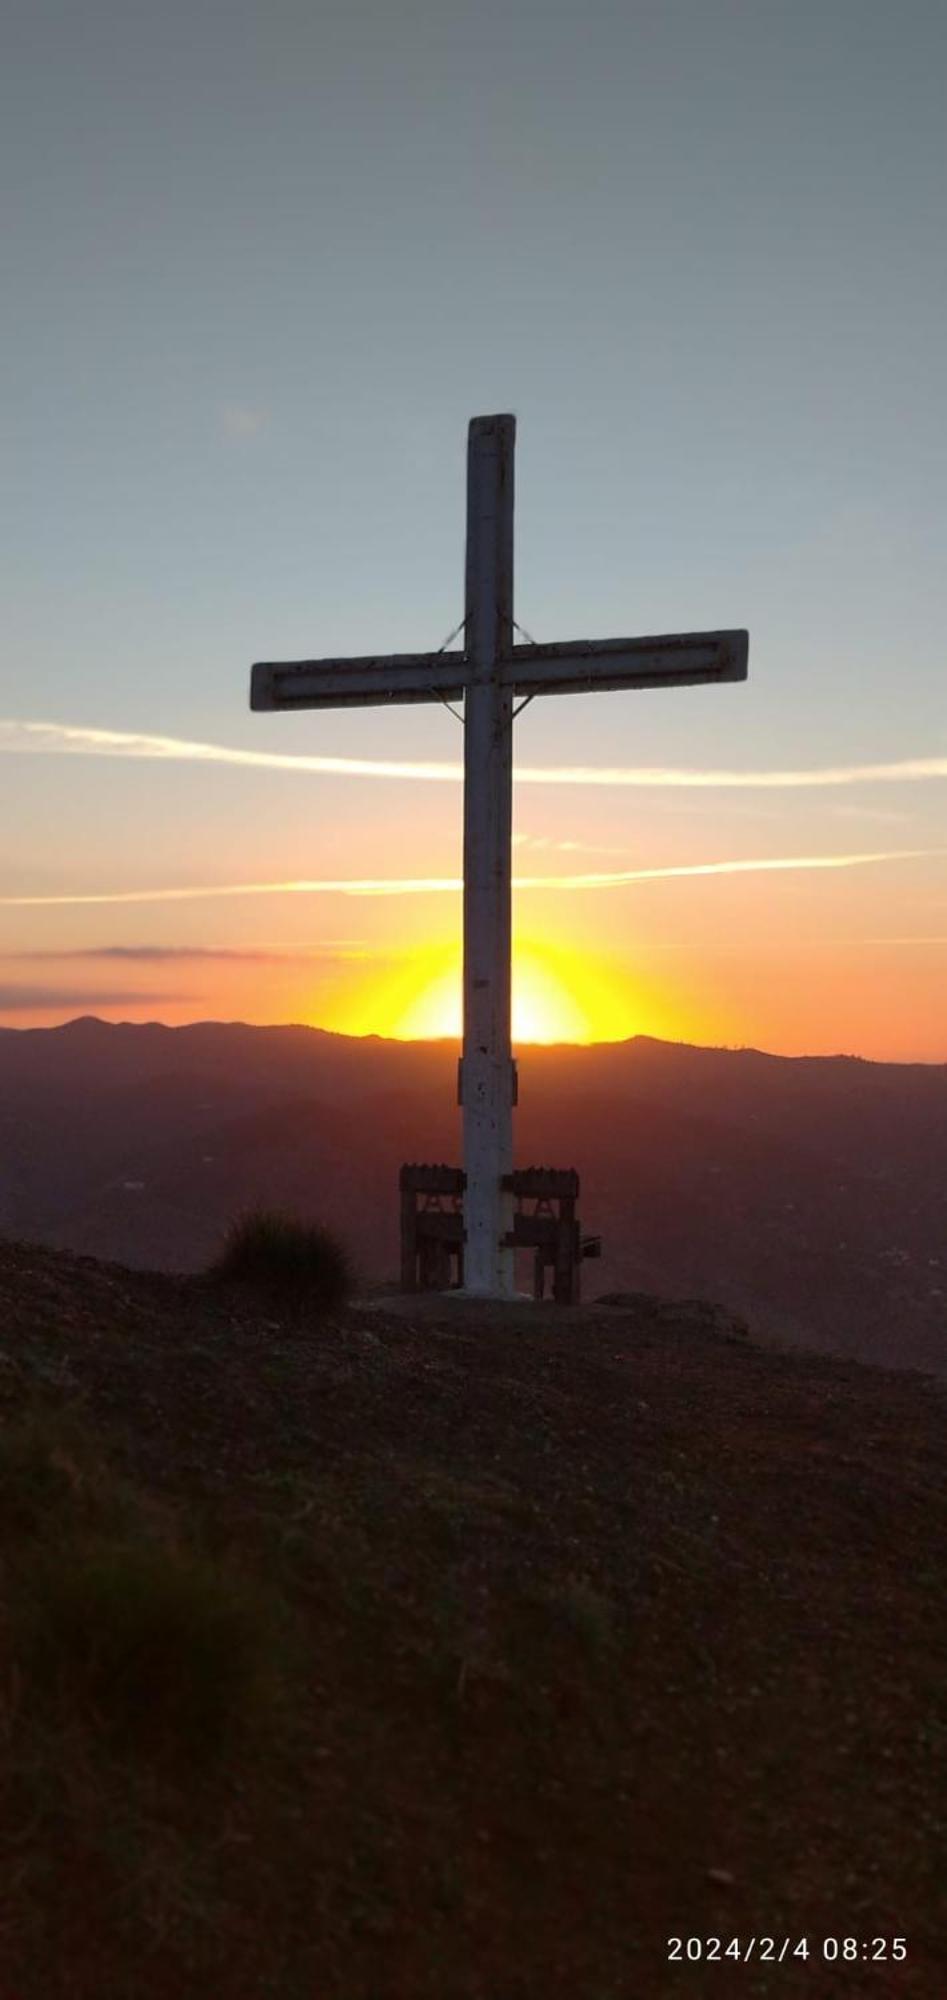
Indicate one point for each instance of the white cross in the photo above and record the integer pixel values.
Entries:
(488, 676)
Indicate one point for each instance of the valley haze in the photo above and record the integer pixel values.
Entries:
(807, 1194)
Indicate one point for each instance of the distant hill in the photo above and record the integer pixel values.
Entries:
(808, 1193)
(590, 1629)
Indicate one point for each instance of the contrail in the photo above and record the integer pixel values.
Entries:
(65, 739)
(429, 885)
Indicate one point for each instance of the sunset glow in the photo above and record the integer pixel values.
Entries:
(705, 450)
(558, 996)
(545, 1008)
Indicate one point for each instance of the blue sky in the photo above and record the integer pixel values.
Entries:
(262, 264)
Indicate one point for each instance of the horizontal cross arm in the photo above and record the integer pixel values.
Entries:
(573, 666)
(579, 666)
(358, 683)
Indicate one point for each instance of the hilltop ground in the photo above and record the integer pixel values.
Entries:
(602, 1627)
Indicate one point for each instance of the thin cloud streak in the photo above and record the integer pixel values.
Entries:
(63, 739)
(38, 999)
(612, 881)
(148, 954)
(428, 885)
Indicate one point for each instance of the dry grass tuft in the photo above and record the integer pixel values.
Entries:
(115, 1625)
(293, 1262)
(155, 1646)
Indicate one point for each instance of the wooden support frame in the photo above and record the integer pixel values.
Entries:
(433, 1235)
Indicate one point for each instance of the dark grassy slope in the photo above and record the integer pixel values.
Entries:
(594, 1629)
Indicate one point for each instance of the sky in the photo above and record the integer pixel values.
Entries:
(263, 261)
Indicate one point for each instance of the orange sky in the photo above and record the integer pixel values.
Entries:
(800, 960)
(697, 250)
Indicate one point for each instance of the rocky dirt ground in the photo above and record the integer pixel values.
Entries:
(610, 1627)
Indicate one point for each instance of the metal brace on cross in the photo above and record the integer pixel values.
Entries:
(489, 676)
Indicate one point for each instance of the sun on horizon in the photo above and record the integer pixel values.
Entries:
(558, 996)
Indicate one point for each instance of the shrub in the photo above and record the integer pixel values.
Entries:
(300, 1263)
(156, 1645)
(110, 1618)
(52, 1470)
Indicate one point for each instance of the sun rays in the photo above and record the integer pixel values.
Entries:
(558, 996)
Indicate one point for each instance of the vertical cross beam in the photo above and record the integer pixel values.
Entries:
(487, 1069)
